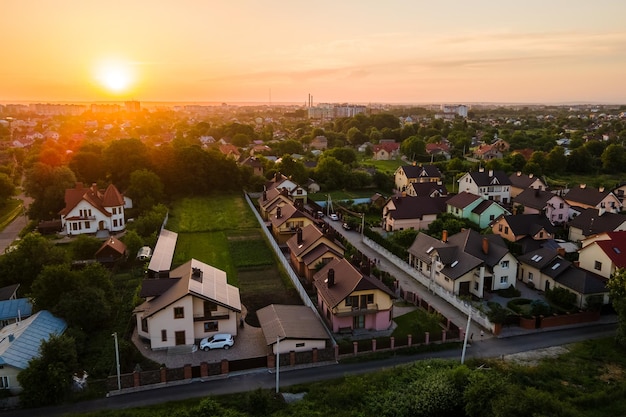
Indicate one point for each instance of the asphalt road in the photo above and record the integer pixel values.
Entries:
(233, 383)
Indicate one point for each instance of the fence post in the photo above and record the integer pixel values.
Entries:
(410, 340)
(187, 371)
(136, 379)
(443, 336)
(224, 366)
(204, 369)
(373, 345)
(427, 338)
(355, 347)
(315, 355)
(163, 374)
(392, 342)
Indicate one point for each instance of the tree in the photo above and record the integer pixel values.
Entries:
(145, 189)
(87, 164)
(7, 189)
(556, 161)
(414, 148)
(48, 378)
(613, 159)
(345, 155)
(617, 291)
(580, 160)
(331, 172)
(47, 185)
(122, 157)
(355, 136)
(293, 169)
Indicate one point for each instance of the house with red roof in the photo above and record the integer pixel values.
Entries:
(385, 151)
(89, 210)
(603, 253)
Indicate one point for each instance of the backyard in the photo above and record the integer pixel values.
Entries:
(223, 232)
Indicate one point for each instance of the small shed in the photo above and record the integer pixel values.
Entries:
(111, 251)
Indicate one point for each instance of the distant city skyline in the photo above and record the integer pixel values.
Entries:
(245, 51)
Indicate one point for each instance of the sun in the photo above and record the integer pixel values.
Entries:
(115, 76)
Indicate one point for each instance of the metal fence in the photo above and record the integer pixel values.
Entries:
(462, 305)
(287, 266)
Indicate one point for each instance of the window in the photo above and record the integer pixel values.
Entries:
(163, 335)
(598, 266)
(209, 306)
(504, 279)
(144, 325)
(499, 228)
(561, 205)
(476, 286)
(87, 225)
(299, 345)
(505, 264)
(530, 277)
(211, 326)
(506, 230)
(4, 382)
(491, 217)
(560, 216)
(114, 222)
(540, 235)
(179, 312)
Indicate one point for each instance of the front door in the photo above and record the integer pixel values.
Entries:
(547, 285)
(358, 322)
(179, 337)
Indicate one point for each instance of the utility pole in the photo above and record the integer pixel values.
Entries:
(467, 328)
(117, 361)
(277, 363)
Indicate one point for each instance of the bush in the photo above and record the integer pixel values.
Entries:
(561, 297)
(510, 292)
(540, 308)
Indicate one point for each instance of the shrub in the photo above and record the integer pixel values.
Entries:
(510, 292)
(540, 308)
(561, 297)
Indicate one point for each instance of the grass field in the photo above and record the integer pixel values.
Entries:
(223, 232)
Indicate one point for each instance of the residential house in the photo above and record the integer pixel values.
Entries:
(385, 151)
(9, 292)
(426, 189)
(603, 253)
(475, 208)
(229, 151)
(491, 185)
(588, 197)
(438, 149)
(487, 152)
(349, 300)
(286, 220)
(111, 251)
(519, 226)
(194, 302)
(407, 212)
(20, 342)
(272, 199)
(89, 210)
(161, 260)
(536, 201)
(254, 164)
(296, 193)
(547, 269)
(408, 174)
(14, 310)
(319, 142)
(592, 221)
(292, 328)
(619, 192)
(465, 264)
(521, 182)
(310, 248)
(378, 200)
(312, 186)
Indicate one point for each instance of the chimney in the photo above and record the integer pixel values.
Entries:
(331, 277)
(485, 245)
(299, 236)
(196, 274)
(519, 173)
(481, 169)
(531, 175)
(583, 185)
(414, 163)
(491, 172)
(277, 176)
(444, 236)
(560, 251)
(264, 195)
(576, 264)
(278, 213)
(601, 189)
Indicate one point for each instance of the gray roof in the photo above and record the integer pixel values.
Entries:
(421, 171)
(582, 281)
(20, 342)
(290, 322)
(163, 251)
(538, 258)
(521, 180)
(591, 223)
(536, 199)
(588, 195)
(13, 309)
(8, 291)
(483, 179)
(408, 207)
(528, 224)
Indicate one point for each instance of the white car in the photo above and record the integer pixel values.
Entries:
(217, 341)
(334, 217)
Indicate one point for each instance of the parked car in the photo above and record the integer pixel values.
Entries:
(334, 217)
(217, 341)
(346, 226)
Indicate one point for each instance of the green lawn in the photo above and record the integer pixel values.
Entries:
(207, 214)
(416, 323)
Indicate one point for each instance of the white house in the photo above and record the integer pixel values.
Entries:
(89, 210)
(194, 302)
(491, 185)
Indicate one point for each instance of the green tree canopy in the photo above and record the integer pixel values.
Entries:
(47, 185)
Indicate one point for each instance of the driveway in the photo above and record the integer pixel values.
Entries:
(249, 343)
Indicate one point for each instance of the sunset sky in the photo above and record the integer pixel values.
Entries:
(549, 51)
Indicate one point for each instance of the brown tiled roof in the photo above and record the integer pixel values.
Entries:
(462, 199)
(100, 200)
(346, 279)
(290, 322)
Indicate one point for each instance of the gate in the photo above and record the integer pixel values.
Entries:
(248, 363)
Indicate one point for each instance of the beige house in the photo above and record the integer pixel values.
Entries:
(286, 220)
(408, 174)
(588, 197)
(521, 182)
(292, 328)
(194, 302)
(603, 253)
(310, 248)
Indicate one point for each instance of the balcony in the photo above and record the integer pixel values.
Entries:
(356, 311)
(218, 315)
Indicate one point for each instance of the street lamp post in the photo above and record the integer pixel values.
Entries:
(117, 361)
(362, 225)
(277, 363)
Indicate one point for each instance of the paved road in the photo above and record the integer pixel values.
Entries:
(243, 382)
(13, 229)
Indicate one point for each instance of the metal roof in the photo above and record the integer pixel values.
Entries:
(163, 251)
(13, 309)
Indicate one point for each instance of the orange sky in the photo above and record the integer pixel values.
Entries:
(410, 51)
